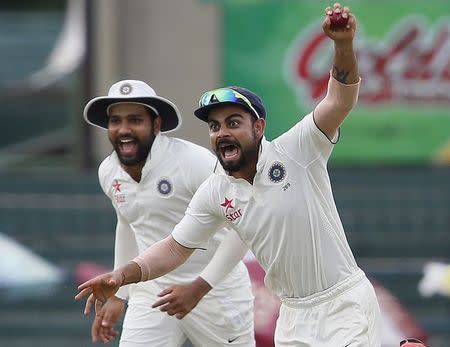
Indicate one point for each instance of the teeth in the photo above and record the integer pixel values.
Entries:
(126, 140)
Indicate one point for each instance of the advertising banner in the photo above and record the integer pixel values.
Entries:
(278, 49)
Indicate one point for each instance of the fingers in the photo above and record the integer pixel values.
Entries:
(107, 334)
(339, 24)
(171, 307)
(181, 315)
(96, 327)
(161, 302)
(89, 302)
(87, 284)
(166, 291)
(83, 293)
(98, 306)
(112, 282)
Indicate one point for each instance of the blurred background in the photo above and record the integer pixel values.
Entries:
(390, 171)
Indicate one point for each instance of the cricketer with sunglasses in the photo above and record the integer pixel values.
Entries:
(147, 175)
(277, 196)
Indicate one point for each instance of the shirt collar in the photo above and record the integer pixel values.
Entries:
(157, 153)
(262, 154)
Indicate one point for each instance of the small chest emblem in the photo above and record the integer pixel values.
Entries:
(227, 204)
(277, 172)
(119, 197)
(164, 186)
(235, 213)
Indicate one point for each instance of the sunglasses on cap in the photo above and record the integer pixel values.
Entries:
(412, 340)
(226, 95)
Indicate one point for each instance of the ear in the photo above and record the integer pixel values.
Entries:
(157, 125)
(259, 126)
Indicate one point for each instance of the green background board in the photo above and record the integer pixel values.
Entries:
(257, 39)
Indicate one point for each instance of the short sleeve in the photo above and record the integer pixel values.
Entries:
(201, 220)
(305, 142)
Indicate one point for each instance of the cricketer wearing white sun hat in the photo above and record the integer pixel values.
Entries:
(96, 110)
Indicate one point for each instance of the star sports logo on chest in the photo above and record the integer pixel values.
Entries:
(233, 215)
(119, 197)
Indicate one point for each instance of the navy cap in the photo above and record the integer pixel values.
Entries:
(257, 108)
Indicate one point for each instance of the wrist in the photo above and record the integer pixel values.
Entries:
(117, 299)
(344, 47)
(130, 273)
(201, 285)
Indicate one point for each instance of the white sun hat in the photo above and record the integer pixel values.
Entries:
(96, 110)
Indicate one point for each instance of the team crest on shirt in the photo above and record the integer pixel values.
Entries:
(233, 215)
(277, 172)
(119, 197)
(164, 186)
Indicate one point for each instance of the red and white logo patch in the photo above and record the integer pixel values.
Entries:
(117, 192)
(233, 215)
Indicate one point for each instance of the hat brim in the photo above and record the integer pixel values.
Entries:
(95, 111)
(202, 112)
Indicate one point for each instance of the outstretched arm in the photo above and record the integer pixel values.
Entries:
(159, 259)
(180, 299)
(343, 87)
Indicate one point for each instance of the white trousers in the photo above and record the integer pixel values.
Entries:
(345, 315)
(222, 319)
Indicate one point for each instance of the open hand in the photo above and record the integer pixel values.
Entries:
(99, 289)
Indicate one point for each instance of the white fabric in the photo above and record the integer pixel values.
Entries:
(348, 312)
(289, 221)
(214, 321)
(147, 212)
(227, 256)
(125, 248)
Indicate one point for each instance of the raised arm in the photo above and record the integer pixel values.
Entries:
(343, 86)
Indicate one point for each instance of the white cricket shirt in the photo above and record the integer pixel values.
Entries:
(148, 211)
(288, 217)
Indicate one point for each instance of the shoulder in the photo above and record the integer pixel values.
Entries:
(216, 182)
(106, 170)
(189, 147)
(189, 153)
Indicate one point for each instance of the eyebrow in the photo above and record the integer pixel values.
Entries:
(127, 115)
(228, 117)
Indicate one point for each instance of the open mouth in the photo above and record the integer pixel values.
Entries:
(228, 150)
(128, 147)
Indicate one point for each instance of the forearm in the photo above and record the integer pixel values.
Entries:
(202, 287)
(130, 273)
(337, 104)
(227, 256)
(345, 65)
(161, 258)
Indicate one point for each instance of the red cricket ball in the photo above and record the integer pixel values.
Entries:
(337, 21)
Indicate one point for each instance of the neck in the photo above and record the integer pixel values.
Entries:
(135, 171)
(247, 173)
